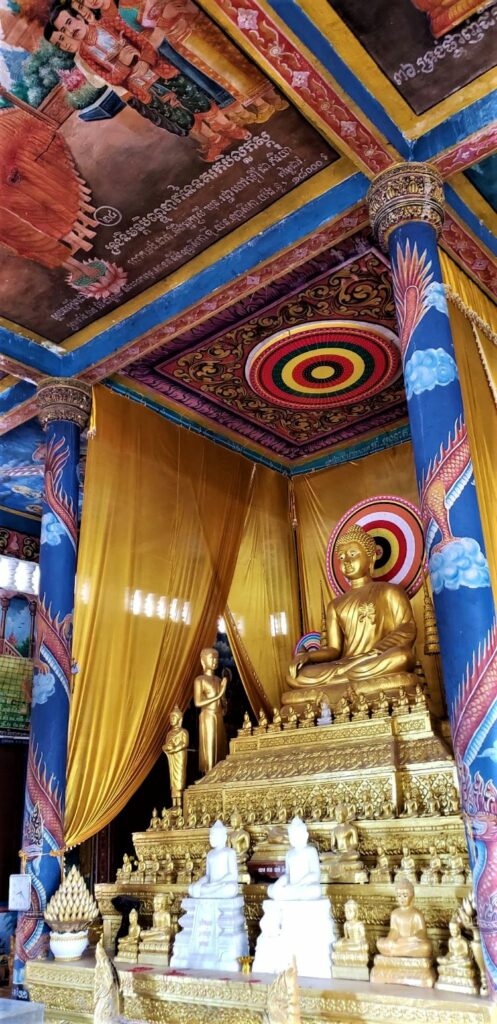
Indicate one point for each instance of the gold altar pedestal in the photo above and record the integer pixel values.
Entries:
(332, 692)
(403, 970)
(163, 997)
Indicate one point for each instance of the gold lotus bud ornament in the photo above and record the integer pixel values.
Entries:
(72, 908)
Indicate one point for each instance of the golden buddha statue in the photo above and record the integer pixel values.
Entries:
(208, 695)
(410, 808)
(432, 805)
(381, 872)
(176, 750)
(191, 820)
(405, 955)
(265, 815)
(370, 632)
(420, 701)
(343, 710)
(155, 941)
(343, 863)
(291, 719)
(185, 874)
(381, 706)
(123, 874)
(154, 821)
(452, 803)
(431, 874)
(407, 868)
(140, 871)
(127, 947)
(165, 820)
(401, 703)
(167, 868)
(239, 840)
(308, 718)
(457, 969)
(276, 722)
(351, 953)
(360, 710)
(262, 722)
(246, 729)
(455, 870)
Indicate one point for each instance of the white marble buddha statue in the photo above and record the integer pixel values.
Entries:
(221, 868)
(301, 879)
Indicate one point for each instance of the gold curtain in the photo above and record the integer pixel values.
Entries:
(162, 521)
(322, 498)
(262, 620)
(479, 404)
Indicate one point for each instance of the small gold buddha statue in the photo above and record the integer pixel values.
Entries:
(381, 706)
(176, 750)
(205, 818)
(420, 701)
(185, 874)
(239, 840)
(123, 874)
(308, 718)
(351, 953)
(261, 721)
(343, 863)
(343, 710)
(432, 806)
(153, 868)
(405, 955)
(407, 868)
(410, 808)
(154, 821)
(381, 872)
(387, 809)
(452, 803)
(432, 874)
(165, 819)
(191, 819)
(454, 871)
(155, 941)
(167, 868)
(140, 871)
(291, 719)
(297, 810)
(370, 632)
(127, 947)
(368, 811)
(246, 729)
(457, 969)
(275, 725)
(361, 709)
(315, 810)
(280, 815)
(265, 814)
(329, 810)
(401, 704)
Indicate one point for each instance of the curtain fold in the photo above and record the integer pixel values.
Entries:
(479, 404)
(321, 499)
(162, 522)
(263, 619)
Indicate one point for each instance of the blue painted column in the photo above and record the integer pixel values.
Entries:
(406, 205)
(63, 410)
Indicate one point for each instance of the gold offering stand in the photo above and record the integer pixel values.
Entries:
(396, 775)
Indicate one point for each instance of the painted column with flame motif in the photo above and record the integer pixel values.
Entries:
(406, 205)
(63, 410)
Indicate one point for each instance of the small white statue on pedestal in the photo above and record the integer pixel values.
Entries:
(296, 918)
(213, 931)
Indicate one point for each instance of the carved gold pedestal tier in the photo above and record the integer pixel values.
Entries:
(162, 997)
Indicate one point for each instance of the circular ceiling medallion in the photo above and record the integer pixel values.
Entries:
(396, 527)
(324, 364)
(308, 642)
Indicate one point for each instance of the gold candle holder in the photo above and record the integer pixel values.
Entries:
(246, 964)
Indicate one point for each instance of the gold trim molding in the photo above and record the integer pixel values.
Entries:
(61, 398)
(404, 193)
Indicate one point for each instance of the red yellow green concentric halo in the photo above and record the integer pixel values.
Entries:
(397, 529)
(323, 364)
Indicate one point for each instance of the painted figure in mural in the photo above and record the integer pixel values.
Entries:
(176, 751)
(370, 629)
(110, 52)
(242, 91)
(444, 15)
(208, 695)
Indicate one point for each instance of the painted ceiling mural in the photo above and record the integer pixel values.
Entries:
(135, 136)
(103, 196)
(427, 48)
(296, 374)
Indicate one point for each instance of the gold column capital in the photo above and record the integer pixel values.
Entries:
(63, 398)
(404, 193)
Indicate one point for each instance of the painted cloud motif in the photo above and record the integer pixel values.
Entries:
(428, 369)
(460, 563)
(43, 687)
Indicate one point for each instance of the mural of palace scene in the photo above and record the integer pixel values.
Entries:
(484, 177)
(22, 458)
(17, 621)
(132, 139)
(308, 362)
(427, 48)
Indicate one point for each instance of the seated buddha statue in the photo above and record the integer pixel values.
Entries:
(221, 868)
(370, 633)
(156, 940)
(127, 947)
(301, 878)
(343, 863)
(407, 935)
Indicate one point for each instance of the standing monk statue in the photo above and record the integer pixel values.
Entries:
(208, 695)
(370, 632)
(176, 750)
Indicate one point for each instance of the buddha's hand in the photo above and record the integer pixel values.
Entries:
(298, 662)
